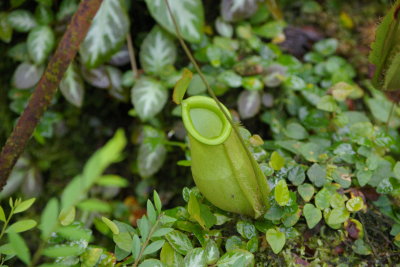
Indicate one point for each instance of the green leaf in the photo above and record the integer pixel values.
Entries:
(355, 204)
(270, 29)
(281, 193)
(113, 227)
(67, 8)
(111, 180)
(212, 252)
(48, 220)
(196, 258)
(148, 97)
(189, 15)
(144, 227)
(21, 226)
(157, 201)
(297, 175)
(181, 86)
(296, 131)
(21, 20)
(75, 232)
(170, 257)
(326, 47)
(153, 247)
(323, 198)
(41, 41)
(152, 152)
(327, 103)
(106, 34)
(94, 205)
(312, 215)
(246, 229)
(234, 10)
(233, 257)
(158, 51)
(179, 241)
(361, 248)
(63, 251)
(162, 232)
(338, 216)
(67, 216)
(200, 212)
(72, 86)
(252, 83)
(151, 212)
(277, 161)
(317, 175)
(136, 246)
(306, 191)
(27, 75)
(276, 239)
(5, 28)
(20, 248)
(23, 206)
(2, 214)
(151, 263)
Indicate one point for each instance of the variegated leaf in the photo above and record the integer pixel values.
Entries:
(196, 258)
(21, 20)
(40, 43)
(158, 50)
(107, 33)
(149, 97)
(189, 15)
(27, 75)
(72, 86)
(234, 10)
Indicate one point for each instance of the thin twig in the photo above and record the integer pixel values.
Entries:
(47, 86)
(132, 58)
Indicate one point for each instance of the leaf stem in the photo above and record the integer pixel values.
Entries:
(147, 241)
(132, 58)
(6, 223)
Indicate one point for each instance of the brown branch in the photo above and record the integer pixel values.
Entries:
(47, 86)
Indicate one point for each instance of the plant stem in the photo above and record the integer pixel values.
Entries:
(132, 58)
(47, 86)
(147, 241)
(6, 223)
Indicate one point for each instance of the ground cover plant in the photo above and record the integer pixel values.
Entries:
(107, 180)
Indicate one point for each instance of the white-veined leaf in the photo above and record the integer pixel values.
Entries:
(27, 75)
(21, 20)
(107, 33)
(179, 241)
(72, 86)
(67, 8)
(233, 10)
(232, 257)
(196, 258)
(152, 152)
(158, 50)
(149, 97)
(40, 43)
(249, 103)
(189, 15)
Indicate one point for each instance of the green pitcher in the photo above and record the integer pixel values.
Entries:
(225, 173)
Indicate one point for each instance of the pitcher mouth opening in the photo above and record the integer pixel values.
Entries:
(205, 121)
